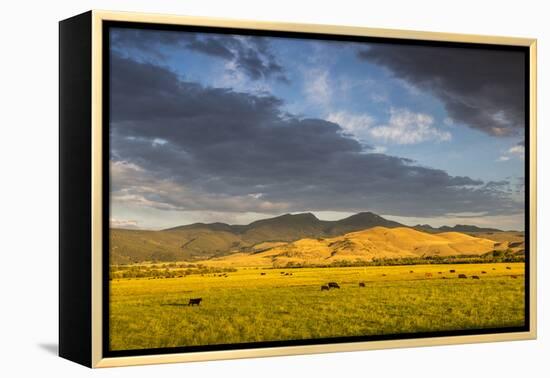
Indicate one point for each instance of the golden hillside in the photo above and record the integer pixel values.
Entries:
(366, 245)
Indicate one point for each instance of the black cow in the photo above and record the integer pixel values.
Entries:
(462, 276)
(194, 301)
(508, 268)
(324, 287)
(263, 274)
(475, 277)
(452, 270)
(361, 284)
(333, 285)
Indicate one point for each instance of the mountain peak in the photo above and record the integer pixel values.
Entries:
(364, 214)
(368, 219)
(303, 216)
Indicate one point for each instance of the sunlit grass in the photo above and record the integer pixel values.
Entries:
(246, 306)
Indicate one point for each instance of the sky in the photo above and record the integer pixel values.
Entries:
(209, 127)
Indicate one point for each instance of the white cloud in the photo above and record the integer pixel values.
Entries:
(467, 214)
(356, 124)
(317, 87)
(517, 151)
(379, 149)
(159, 142)
(407, 127)
(123, 223)
(403, 127)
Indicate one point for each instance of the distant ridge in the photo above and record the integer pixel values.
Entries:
(458, 228)
(360, 221)
(205, 240)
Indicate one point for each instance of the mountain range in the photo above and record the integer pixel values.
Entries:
(199, 241)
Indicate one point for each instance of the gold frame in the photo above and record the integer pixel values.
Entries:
(97, 356)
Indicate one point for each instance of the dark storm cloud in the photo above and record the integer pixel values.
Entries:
(242, 152)
(251, 54)
(481, 88)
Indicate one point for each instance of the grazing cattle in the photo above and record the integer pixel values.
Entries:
(282, 272)
(288, 274)
(262, 274)
(439, 272)
(483, 272)
(383, 275)
(508, 268)
(411, 271)
(429, 275)
(452, 271)
(494, 268)
(333, 285)
(462, 276)
(324, 287)
(361, 284)
(443, 278)
(475, 277)
(512, 276)
(194, 301)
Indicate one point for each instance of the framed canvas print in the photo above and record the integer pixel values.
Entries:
(234, 189)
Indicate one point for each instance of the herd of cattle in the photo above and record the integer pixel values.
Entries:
(334, 285)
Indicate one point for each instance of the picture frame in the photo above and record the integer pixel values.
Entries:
(85, 186)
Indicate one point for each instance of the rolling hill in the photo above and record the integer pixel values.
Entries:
(366, 245)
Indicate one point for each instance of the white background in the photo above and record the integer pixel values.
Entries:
(29, 214)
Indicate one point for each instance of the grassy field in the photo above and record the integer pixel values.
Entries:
(246, 306)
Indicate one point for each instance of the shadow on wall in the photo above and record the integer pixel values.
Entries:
(51, 348)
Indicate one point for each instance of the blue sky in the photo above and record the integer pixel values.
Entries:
(382, 98)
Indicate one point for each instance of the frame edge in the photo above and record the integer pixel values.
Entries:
(311, 28)
(74, 197)
(533, 187)
(96, 189)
